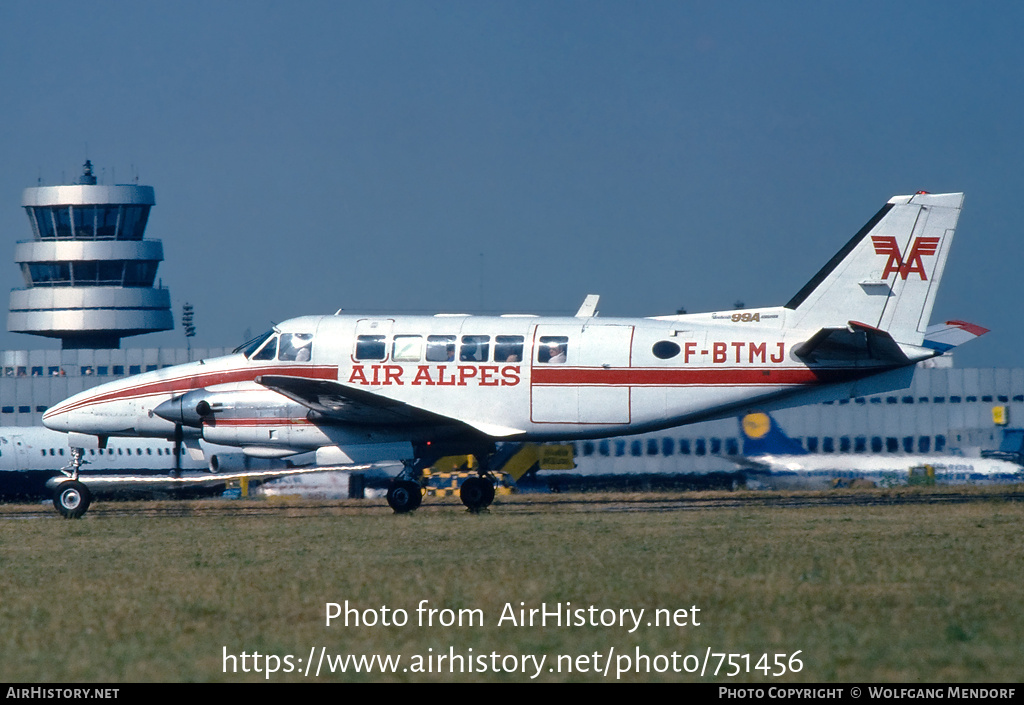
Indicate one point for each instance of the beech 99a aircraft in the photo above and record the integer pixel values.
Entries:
(365, 389)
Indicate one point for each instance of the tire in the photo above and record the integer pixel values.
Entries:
(72, 499)
(404, 496)
(476, 493)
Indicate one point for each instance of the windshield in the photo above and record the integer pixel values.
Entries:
(249, 347)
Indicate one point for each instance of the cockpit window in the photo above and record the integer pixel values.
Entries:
(251, 346)
(268, 351)
(296, 347)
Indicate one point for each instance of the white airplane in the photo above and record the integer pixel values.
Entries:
(781, 462)
(363, 389)
(31, 456)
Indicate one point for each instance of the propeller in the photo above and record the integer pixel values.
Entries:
(179, 435)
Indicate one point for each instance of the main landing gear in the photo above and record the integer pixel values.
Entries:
(477, 493)
(404, 495)
(406, 491)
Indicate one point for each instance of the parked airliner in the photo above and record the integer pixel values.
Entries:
(781, 462)
(361, 389)
(33, 458)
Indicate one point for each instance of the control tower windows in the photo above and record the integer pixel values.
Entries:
(133, 223)
(47, 273)
(102, 222)
(128, 273)
(138, 273)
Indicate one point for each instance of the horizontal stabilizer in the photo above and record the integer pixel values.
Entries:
(857, 342)
(946, 336)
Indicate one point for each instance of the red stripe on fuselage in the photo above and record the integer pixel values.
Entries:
(670, 377)
(177, 385)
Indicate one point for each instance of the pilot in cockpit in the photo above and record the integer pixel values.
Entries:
(296, 347)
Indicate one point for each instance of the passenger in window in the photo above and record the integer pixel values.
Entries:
(468, 353)
(552, 349)
(556, 353)
(440, 348)
(475, 348)
(508, 348)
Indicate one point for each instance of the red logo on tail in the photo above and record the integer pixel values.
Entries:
(886, 245)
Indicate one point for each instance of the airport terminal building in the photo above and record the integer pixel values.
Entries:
(90, 280)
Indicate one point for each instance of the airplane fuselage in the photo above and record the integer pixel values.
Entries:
(816, 471)
(508, 378)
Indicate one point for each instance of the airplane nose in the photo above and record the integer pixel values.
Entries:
(56, 420)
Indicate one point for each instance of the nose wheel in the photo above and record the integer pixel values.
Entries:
(72, 499)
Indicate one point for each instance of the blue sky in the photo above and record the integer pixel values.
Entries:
(516, 156)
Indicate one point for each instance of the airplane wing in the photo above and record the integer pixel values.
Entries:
(110, 483)
(351, 405)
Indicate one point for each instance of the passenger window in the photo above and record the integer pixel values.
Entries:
(553, 349)
(407, 348)
(508, 348)
(665, 349)
(370, 347)
(475, 348)
(296, 347)
(440, 348)
(268, 351)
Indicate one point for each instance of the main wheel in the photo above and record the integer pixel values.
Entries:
(72, 499)
(476, 493)
(404, 496)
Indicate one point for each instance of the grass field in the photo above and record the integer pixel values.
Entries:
(888, 593)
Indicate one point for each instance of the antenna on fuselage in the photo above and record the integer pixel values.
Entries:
(589, 307)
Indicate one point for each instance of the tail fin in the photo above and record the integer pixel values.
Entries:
(763, 436)
(887, 276)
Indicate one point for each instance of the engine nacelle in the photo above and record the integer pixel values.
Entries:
(191, 409)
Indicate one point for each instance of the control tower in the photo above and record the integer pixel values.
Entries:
(89, 274)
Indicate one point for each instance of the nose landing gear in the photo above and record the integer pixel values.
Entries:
(72, 499)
